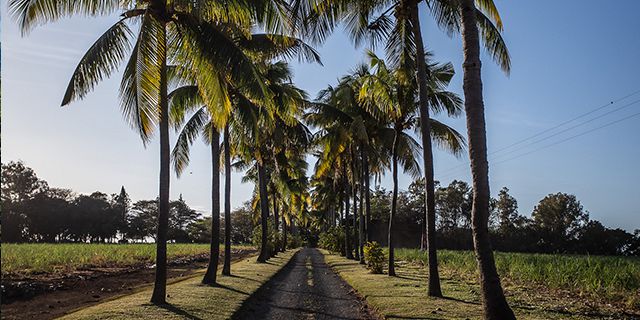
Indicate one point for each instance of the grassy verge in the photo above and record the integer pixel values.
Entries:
(612, 279)
(191, 300)
(404, 296)
(30, 258)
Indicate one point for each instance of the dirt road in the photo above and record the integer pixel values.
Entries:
(306, 288)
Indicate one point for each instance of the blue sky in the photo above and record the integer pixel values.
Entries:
(569, 57)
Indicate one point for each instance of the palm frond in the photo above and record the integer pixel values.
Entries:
(32, 13)
(191, 130)
(447, 138)
(149, 67)
(493, 41)
(183, 100)
(140, 118)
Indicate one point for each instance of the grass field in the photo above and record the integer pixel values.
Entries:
(404, 296)
(190, 299)
(610, 278)
(30, 258)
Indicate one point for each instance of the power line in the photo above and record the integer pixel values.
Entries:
(572, 137)
(452, 170)
(569, 128)
(568, 121)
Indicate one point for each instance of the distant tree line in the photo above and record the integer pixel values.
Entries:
(34, 212)
(558, 224)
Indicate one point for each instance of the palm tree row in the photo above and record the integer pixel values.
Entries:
(396, 23)
(228, 81)
(217, 54)
(363, 125)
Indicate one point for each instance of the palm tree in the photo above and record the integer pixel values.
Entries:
(194, 41)
(226, 268)
(201, 122)
(494, 301)
(391, 93)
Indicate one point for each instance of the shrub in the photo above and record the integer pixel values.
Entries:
(374, 256)
(332, 240)
(274, 237)
(294, 241)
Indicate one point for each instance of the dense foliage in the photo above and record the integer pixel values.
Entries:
(558, 224)
(332, 239)
(374, 256)
(274, 237)
(34, 212)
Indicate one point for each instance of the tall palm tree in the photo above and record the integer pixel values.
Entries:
(392, 93)
(183, 32)
(494, 301)
(226, 268)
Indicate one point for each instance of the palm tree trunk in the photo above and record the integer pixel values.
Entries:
(276, 218)
(354, 177)
(343, 251)
(211, 275)
(394, 202)
(284, 234)
(264, 210)
(347, 241)
(434, 289)
(493, 299)
(160, 286)
(226, 269)
(361, 221)
(367, 195)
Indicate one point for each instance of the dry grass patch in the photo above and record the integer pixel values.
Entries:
(189, 299)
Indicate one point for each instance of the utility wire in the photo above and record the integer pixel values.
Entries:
(450, 171)
(568, 129)
(568, 121)
(572, 137)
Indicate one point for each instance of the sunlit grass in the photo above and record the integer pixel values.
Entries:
(31, 258)
(190, 299)
(598, 276)
(405, 296)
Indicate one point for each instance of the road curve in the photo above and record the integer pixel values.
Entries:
(306, 288)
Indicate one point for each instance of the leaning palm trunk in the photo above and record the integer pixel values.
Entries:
(160, 286)
(264, 213)
(494, 303)
(394, 201)
(427, 156)
(210, 276)
(226, 269)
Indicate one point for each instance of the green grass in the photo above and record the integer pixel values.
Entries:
(189, 299)
(404, 296)
(58, 258)
(601, 277)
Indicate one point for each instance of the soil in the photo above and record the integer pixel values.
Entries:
(46, 296)
(306, 288)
